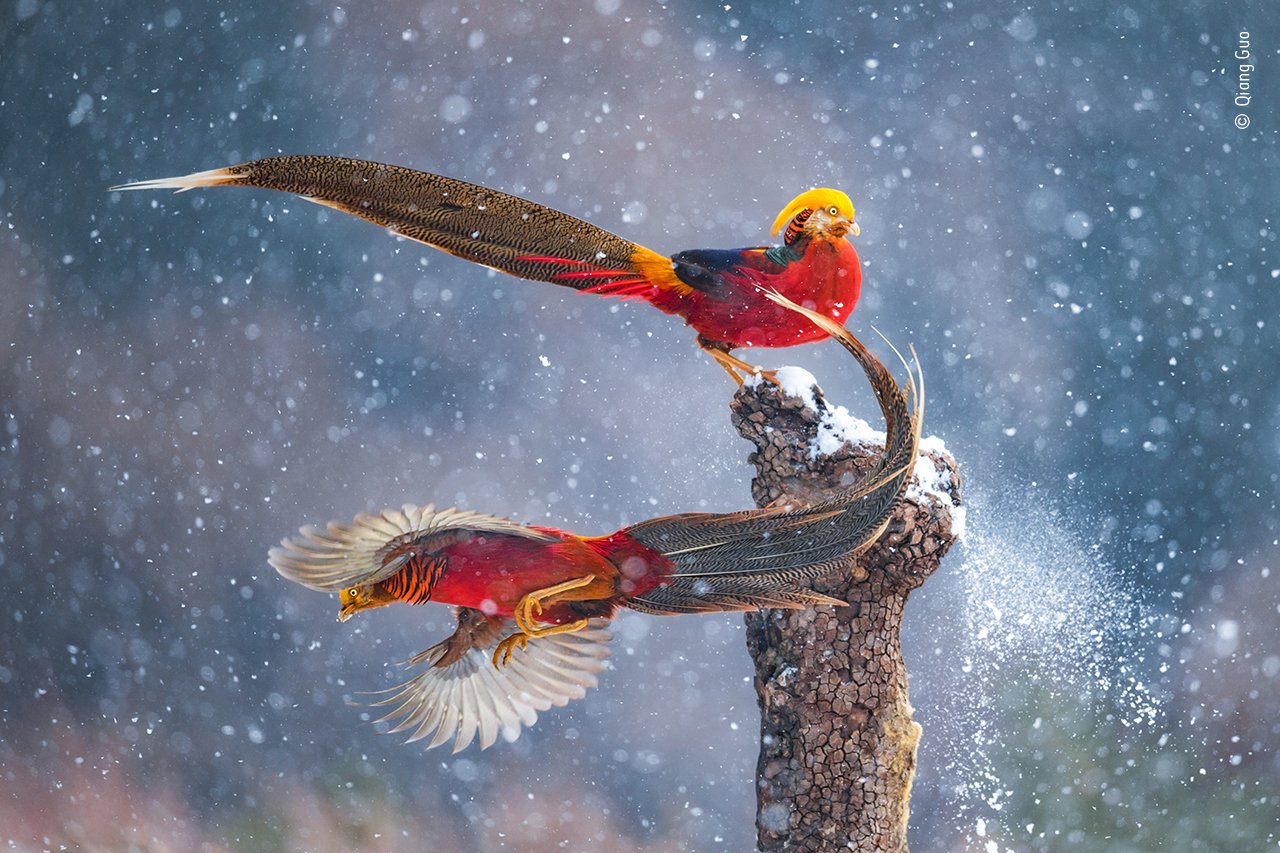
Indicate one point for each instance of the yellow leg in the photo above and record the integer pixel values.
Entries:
(530, 606)
(720, 357)
(507, 647)
(732, 364)
(526, 613)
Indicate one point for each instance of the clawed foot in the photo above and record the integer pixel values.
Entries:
(526, 615)
(507, 647)
(503, 652)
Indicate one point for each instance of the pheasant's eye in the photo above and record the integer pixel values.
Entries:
(834, 211)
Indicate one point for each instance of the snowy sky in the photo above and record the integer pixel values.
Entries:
(1058, 209)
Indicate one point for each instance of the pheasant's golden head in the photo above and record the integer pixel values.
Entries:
(362, 597)
(823, 211)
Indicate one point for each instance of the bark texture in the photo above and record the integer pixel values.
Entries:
(837, 741)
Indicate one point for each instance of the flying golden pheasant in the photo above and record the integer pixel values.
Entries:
(720, 293)
(534, 601)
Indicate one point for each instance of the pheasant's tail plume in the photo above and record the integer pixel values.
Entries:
(501, 231)
(722, 559)
(903, 409)
(895, 402)
(686, 594)
(762, 559)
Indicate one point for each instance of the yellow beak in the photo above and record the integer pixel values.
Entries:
(348, 610)
(843, 226)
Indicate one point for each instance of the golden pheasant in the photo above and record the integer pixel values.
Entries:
(720, 293)
(533, 601)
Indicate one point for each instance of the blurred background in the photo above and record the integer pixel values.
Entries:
(1058, 210)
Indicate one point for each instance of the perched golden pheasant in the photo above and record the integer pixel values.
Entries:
(720, 293)
(534, 601)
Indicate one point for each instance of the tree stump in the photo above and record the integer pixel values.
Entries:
(837, 741)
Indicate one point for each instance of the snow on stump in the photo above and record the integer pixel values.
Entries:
(837, 741)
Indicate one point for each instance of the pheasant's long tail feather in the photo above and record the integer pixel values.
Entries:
(686, 595)
(501, 231)
(721, 559)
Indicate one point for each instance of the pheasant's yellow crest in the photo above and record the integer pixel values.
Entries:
(822, 198)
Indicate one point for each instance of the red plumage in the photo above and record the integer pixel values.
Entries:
(826, 278)
(493, 572)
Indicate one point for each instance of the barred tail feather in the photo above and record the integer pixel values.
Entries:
(182, 183)
(698, 595)
(482, 225)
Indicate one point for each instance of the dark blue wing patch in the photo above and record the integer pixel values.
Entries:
(702, 269)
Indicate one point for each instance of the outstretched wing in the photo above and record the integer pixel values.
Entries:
(343, 555)
(501, 231)
(462, 695)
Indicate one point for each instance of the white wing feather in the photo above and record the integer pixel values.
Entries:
(472, 698)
